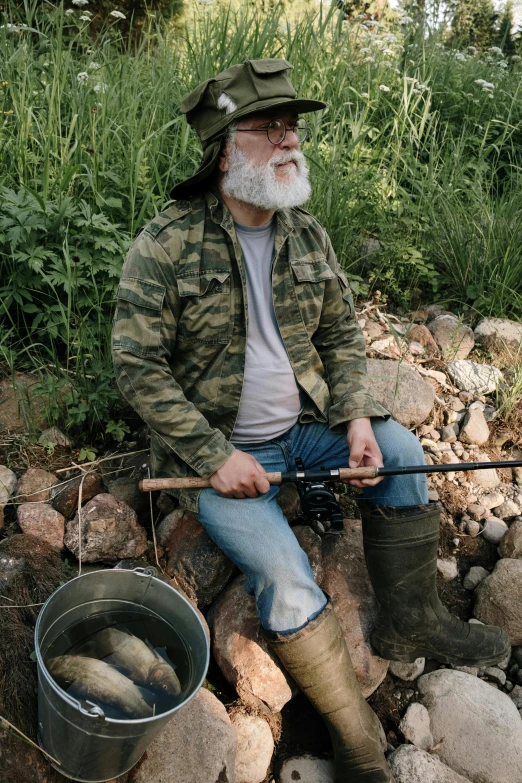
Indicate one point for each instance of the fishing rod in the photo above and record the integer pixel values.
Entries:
(336, 474)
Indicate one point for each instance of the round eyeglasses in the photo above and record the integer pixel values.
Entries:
(276, 130)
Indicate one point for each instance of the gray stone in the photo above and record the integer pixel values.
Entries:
(477, 511)
(454, 339)
(475, 428)
(407, 671)
(491, 499)
(255, 746)
(499, 335)
(472, 377)
(494, 530)
(198, 745)
(511, 544)
(449, 433)
(495, 674)
(127, 489)
(109, 531)
(8, 483)
(448, 568)
(307, 769)
(516, 696)
(412, 765)
(401, 390)
(474, 577)
(477, 726)
(507, 510)
(415, 726)
(39, 519)
(499, 598)
(54, 435)
(473, 528)
(487, 478)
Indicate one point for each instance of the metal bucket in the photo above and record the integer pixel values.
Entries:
(90, 746)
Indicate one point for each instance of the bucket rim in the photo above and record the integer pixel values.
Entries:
(74, 702)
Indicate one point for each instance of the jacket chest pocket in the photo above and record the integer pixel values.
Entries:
(205, 307)
(309, 283)
(137, 320)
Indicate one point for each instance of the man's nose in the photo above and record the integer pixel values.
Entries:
(290, 141)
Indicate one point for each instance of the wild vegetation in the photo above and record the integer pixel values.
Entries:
(416, 164)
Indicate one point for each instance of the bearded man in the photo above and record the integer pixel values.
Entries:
(236, 340)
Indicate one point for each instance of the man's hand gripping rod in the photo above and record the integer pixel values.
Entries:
(338, 474)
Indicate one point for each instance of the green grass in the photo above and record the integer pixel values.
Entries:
(420, 149)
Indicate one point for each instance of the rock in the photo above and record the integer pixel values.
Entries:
(433, 496)
(487, 478)
(491, 499)
(109, 531)
(474, 577)
(373, 330)
(306, 769)
(8, 484)
(516, 696)
(401, 390)
(494, 530)
(64, 497)
(347, 583)
(407, 671)
(477, 726)
(242, 654)
(507, 510)
(255, 746)
(288, 499)
(477, 511)
(422, 335)
(448, 568)
(127, 489)
(454, 339)
(412, 765)
(472, 377)
(499, 599)
(35, 486)
(499, 335)
(475, 428)
(54, 435)
(312, 544)
(39, 519)
(511, 544)
(198, 745)
(496, 675)
(473, 528)
(449, 433)
(415, 726)
(196, 563)
(434, 310)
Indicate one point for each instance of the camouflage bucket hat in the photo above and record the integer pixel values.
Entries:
(243, 89)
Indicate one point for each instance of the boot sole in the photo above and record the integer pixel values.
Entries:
(406, 653)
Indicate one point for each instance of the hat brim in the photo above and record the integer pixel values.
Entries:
(189, 187)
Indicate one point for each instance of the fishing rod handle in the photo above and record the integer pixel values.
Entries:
(343, 474)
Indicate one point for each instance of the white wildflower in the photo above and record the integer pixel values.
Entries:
(11, 28)
(503, 64)
(365, 50)
(85, 18)
(485, 85)
(369, 60)
(82, 77)
(472, 49)
(384, 88)
(461, 57)
(365, 95)
(100, 87)
(388, 52)
(387, 64)
(117, 15)
(69, 12)
(439, 46)
(515, 58)
(496, 50)
(406, 20)
(80, 2)
(93, 66)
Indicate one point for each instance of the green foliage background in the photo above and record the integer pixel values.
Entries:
(416, 163)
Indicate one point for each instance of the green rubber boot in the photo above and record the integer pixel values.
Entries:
(318, 660)
(400, 546)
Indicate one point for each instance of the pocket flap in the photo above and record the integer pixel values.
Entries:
(141, 293)
(313, 272)
(198, 285)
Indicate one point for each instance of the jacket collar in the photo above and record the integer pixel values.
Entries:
(219, 212)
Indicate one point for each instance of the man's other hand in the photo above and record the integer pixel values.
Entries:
(240, 477)
(364, 450)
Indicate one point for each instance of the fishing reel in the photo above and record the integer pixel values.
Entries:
(318, 503)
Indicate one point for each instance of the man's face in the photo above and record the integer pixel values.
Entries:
(265, 175)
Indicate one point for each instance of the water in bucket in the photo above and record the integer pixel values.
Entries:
(130, 664)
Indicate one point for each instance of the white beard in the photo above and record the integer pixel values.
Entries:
(256, 183)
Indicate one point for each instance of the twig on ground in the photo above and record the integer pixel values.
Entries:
(5, 723)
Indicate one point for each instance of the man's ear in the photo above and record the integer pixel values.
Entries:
(223, 158)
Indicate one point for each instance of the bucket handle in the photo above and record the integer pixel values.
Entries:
(143, 570)
(94, 712)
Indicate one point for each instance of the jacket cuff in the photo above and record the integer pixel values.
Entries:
(211, 456)
(356, 406)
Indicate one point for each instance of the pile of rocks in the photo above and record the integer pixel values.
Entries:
(454, 726)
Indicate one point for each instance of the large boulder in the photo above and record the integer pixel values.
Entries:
(109, 531)
(499, 335)
(39, 519)
(196, 563)
(511, 544)
(472, 377)
(401, 390)
(412, 765)
(476, 728)
(499, 599)
(198, 745)
(454, 339)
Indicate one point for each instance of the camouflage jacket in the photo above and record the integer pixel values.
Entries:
(180, 331)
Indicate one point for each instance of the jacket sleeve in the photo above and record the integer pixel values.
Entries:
(342, 349)
(143, 340)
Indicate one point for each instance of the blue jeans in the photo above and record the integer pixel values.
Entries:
(256, 536)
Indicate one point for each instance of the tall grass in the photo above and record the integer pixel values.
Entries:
(416, 165)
